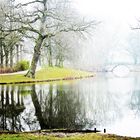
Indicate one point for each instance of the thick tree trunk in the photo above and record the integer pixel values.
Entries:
(35, 59)
(17, 52)
(1, 57)
(39, 42)
(50, 63)
(61, 63)
(11, 56)
(6, 55)
(6, 59)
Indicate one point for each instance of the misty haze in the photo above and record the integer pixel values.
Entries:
(70, 64)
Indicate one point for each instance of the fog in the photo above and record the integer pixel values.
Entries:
(111, 40)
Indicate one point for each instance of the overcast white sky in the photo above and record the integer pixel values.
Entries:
(117, 16)
(117, 9)
(110, 8)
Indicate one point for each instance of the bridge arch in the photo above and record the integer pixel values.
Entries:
(120, 65)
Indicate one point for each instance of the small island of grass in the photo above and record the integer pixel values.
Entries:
(45, 75)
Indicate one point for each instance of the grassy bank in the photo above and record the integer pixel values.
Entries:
(46, 75)
(63, 137)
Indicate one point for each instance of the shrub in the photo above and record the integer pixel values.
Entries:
(7, 70)
(22, 65)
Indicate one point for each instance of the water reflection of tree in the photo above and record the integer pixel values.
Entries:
(135, 98)
(11, 105)
(37, 106)
(135, 102)
(61, 108)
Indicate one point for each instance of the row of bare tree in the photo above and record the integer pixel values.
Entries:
(10, 47)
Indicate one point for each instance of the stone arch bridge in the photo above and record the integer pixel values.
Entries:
(131, 67)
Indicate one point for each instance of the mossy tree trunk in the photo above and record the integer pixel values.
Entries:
(39, 43)
(6, 59)
(11, 56)
(1, 55)
(6, 54)
(50, 63)
(35, 59)
(17, 52)
(59, 60)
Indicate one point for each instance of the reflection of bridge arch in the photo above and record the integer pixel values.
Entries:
(119, 65)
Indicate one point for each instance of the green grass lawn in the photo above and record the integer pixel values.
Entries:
(46, 74)
(75, 137)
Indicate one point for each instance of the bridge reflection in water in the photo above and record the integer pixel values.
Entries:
(121, 70)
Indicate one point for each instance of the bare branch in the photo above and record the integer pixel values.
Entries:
(29, 3)
(135, 28)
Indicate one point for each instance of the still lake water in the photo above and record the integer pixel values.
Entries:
(104, 101)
